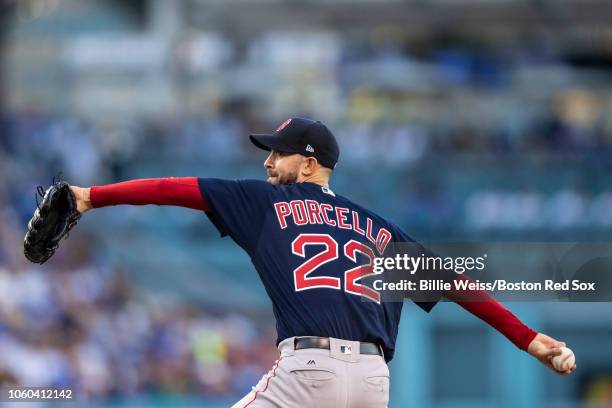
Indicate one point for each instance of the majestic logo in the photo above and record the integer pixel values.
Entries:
(346, 349)
(283, 125)
(311, 362)
(309, 148)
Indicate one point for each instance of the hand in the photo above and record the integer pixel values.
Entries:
(544, 348)
(82, 198)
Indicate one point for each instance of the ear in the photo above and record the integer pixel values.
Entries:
(309, 166)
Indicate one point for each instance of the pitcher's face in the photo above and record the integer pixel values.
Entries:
(283, 168)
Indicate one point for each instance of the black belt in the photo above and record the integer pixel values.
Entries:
(323, 343)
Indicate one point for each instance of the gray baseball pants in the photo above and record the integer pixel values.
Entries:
(322, 378)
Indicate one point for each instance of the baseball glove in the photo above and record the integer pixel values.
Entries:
(53, 218)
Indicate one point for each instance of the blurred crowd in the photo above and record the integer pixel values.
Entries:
(35, 145)
(572, 124)
(80, 324)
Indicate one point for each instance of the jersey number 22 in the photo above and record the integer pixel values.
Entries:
(330, 253)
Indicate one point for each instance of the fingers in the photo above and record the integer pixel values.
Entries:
(551, 352)
(556, 343)
(549, 341)
(568, 372)
(545, 348)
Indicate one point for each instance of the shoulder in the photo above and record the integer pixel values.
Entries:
(365, 211)
(398, 233)
(233, 184)
(247, 189)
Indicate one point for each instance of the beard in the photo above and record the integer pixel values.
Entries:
(286, 178)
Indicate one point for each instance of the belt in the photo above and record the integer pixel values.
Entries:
(323, 343)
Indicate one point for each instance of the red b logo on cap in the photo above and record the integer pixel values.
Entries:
(282, 126)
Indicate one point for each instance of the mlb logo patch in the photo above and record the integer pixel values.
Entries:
(346, 349)
(328, 191)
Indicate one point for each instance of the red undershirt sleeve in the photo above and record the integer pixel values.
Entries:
(177, 191)
(484, 306)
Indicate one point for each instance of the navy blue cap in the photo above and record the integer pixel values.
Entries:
(304, 136)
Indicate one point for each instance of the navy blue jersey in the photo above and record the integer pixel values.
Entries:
(309, 247)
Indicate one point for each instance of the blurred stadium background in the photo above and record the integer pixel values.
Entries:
(458, 119)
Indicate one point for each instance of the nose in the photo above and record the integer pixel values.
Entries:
(269, 162)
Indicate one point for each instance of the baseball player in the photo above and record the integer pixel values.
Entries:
(311, 248)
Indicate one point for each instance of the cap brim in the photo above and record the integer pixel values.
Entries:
(270, 142)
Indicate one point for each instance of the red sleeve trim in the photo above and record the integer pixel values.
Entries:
(178, 191)
(484, 306)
